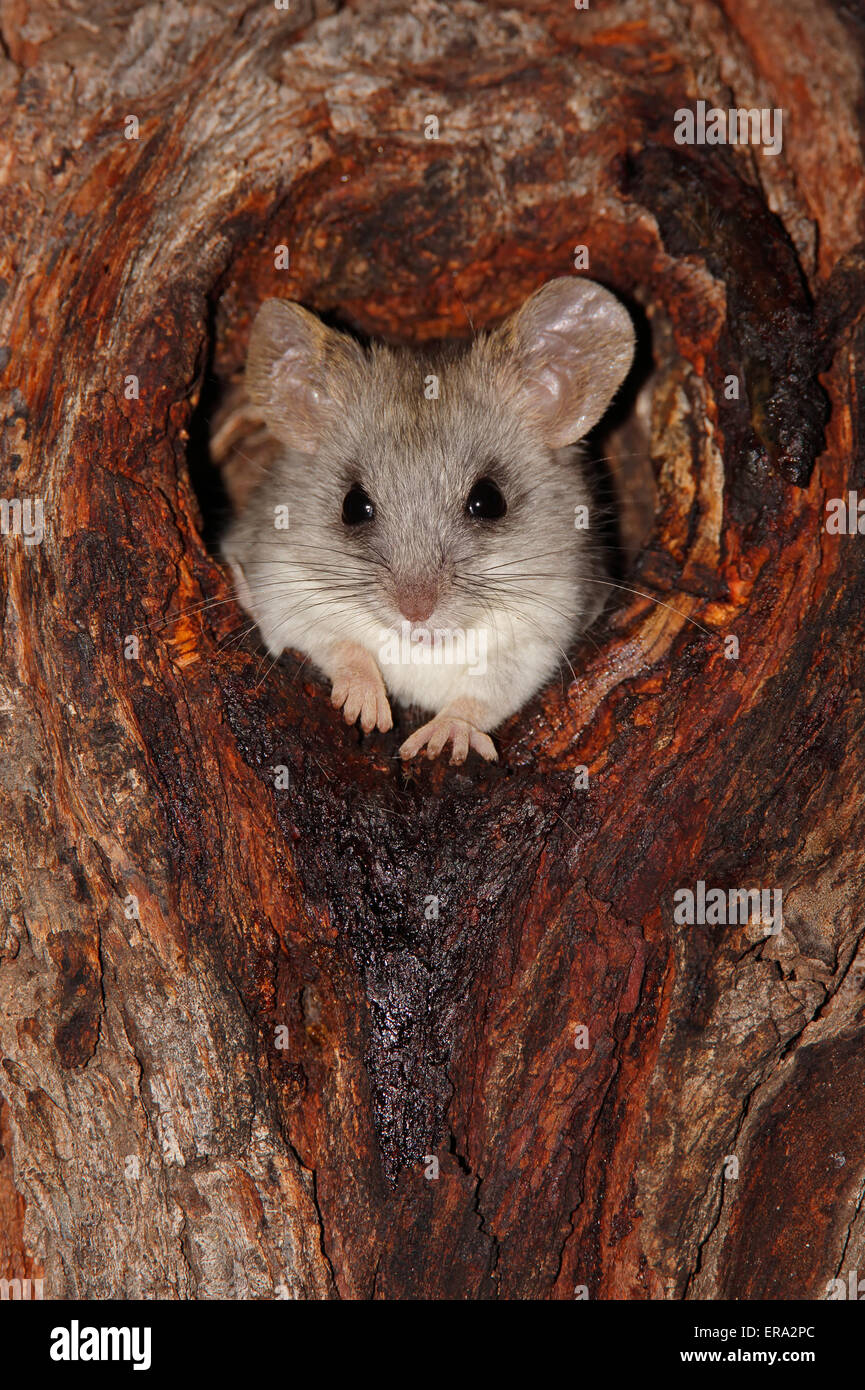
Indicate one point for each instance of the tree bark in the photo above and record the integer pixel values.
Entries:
(241, 1021)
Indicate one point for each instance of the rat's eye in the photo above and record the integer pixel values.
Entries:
(485, 501)
(356, 506)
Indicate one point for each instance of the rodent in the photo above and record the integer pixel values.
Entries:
(429, 492)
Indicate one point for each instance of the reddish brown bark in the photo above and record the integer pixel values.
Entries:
(233, 1089)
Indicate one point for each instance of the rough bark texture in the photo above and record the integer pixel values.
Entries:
(233, 1092)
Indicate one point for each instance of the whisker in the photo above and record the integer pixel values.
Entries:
(607, 583)
(588, 579)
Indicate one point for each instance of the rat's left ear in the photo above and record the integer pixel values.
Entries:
(572, 345)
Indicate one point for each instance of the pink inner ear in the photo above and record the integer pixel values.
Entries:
(289, 372)
(544, 387)
(297, 400)
(575, 342)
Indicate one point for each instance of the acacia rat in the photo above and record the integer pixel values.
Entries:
(415, 535)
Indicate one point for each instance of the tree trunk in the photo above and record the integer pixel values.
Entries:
(241, 1021)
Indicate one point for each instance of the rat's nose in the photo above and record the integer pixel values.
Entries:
(416, 602)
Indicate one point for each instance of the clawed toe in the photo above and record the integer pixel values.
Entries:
(363, 700)
(444, 730)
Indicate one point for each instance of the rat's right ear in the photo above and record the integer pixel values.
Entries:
(573, 344)
(291, 371)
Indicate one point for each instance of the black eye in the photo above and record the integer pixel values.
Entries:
(485, 501)
(356, 506)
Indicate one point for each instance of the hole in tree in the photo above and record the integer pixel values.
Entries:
(230, 450)
(205, 476)
(617, 457)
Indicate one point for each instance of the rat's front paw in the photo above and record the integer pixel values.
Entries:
(448, 728)
(362, 693)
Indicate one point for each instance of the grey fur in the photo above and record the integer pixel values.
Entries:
(508, 406)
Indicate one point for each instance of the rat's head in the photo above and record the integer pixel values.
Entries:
(441, 483)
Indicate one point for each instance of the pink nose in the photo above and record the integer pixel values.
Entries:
(417, 604)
